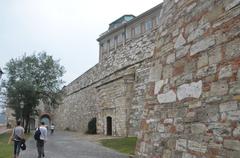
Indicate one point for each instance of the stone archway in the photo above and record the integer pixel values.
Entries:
(92, 126)
(46, 118)
(109, 125)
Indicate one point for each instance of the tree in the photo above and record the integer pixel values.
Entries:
(31, 79)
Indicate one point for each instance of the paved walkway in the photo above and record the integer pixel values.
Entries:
(70, 145)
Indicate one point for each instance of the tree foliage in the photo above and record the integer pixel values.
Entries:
(31, 79)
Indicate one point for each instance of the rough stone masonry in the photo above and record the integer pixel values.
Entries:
(171, 76)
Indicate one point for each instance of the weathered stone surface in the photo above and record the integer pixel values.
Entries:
(215, 56)
(206, 71)
(181, 145)
(196, 146)
(231, 4)
(225, 72)
(219, 88)
(201, 45)
(159, 84)
(170, 58)
(236, 132)
(228, 106)
(187, 155)
(231, 144)
(192, 90)
(181, 52)
(179, 42)
(198, 128)
(203, 61)
(232, 115)
(233, 49)
(168, 97)
(235, 88)
(155, 72)
(167, 72)
(195, 105)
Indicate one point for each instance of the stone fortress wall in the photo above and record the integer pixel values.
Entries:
(170, 76)
(115, 87)
(193, 109)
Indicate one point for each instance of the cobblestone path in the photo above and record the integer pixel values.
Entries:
(66, 145)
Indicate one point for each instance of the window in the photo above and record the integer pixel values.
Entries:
(148, 25)
(137, 30)
(154, 21)
(112, 43)
(120, 39)
(132, 32)
(142, 27)
(115, 41)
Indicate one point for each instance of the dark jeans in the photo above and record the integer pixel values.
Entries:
(40, 148)
(17, 147)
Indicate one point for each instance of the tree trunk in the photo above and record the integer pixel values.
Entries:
(26, 128)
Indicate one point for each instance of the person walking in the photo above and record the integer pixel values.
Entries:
(42, 140)
(17, 137)
(52, 128)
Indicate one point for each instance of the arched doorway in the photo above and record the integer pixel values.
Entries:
(46, 119)
(92, 126)
(109, 125)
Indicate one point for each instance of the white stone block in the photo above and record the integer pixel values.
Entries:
(168, 97)
(192, 90)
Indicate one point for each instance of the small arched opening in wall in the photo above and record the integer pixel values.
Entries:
(92, 126)
(46, 118)
(109, 125)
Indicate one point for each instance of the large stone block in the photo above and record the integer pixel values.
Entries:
(231, 3)
(167, 71)
(202, 61)
(226, 71)
(206, 71)
(202, 45)
(219, 88)
(198, 128)
(181, 145)
(180, 41)
(231, 144)
(181, 52)
(155, 72)
(196, 146)
(192, 90)
(233, 49)
(168, 97)
(228, 106)
(158, 85)
(215, 56)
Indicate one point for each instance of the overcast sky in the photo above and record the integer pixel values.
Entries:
(66, 29)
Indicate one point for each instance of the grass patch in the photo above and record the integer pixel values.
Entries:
(123, 145)
(6, 149)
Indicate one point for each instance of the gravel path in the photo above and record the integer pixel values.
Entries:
(67, 145)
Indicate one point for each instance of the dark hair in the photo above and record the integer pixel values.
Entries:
(18, 122)
(42, 123)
